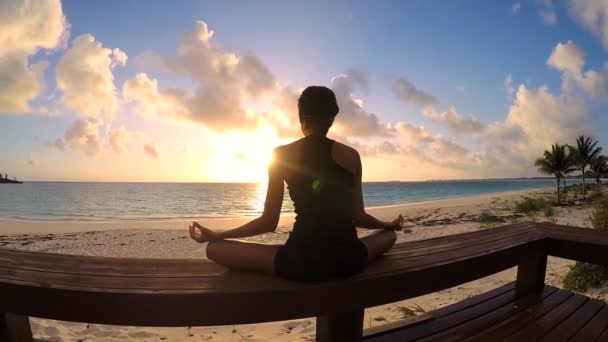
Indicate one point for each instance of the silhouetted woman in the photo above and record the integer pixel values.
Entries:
(324, 181)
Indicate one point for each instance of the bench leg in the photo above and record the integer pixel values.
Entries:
(338, 327)
(15, 328)
(531, 273)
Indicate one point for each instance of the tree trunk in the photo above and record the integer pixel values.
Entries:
(584, 187)
(558, 199)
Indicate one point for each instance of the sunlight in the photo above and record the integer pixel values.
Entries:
(243, 156)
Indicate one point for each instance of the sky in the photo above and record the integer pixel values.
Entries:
(202, 91)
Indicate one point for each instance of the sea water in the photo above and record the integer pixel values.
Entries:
(164, 201)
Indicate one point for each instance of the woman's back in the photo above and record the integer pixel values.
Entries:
(324, 239)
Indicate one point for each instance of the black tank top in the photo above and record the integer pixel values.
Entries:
(321, 191)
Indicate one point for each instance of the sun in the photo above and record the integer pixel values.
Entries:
(244, 156)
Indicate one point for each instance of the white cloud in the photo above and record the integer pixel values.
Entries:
(570, 59)
(26, 27)
(567, 57)
(353, 119)
(593, 15)
(143, 92)
(84, 74)
(83, 136)
(19, 82)
(223, 79)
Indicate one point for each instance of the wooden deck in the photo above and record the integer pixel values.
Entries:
(504, 315)
(152, 292)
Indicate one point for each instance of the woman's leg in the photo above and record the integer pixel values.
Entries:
(244, 256)
(379, 243)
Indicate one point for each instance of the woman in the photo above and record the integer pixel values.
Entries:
(324, 181)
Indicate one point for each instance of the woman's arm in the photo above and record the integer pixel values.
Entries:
(362, 218)
(263, 224)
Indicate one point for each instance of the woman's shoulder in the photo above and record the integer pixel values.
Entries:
(285, 150)
(345, 150)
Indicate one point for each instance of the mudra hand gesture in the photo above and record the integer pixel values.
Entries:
(201, 234)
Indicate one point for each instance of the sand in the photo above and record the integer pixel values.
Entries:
(168, 239)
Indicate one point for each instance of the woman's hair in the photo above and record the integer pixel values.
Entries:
(318, 107)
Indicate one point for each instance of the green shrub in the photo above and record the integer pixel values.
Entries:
(487, 216)
(585, 275)
(530, 205)
(411, 311)
(599, 214)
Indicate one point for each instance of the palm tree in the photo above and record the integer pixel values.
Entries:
(599, 168)
(554, 162)
(586, 150)
(569, 166)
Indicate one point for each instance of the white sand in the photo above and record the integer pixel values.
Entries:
(168, 239)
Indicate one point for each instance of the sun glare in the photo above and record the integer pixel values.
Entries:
(244, 157)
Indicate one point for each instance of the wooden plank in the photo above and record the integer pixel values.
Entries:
(511, 325)
(568, 328)
(388, 328)
(15, 328)
(491, 318)
(338, 327)
(538, 328)
(442, 323)
(594, 328)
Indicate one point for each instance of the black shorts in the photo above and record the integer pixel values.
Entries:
(314, 263)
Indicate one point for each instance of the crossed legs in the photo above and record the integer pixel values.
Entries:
(259, 258)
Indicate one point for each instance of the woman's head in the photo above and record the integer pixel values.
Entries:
(317, 108)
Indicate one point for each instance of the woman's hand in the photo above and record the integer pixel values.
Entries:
(201, 234)
(397, 224)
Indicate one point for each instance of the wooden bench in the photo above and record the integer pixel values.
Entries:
(151, 292)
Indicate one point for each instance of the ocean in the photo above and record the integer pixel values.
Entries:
(166, 201)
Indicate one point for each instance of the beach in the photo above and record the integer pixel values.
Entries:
(168, 239)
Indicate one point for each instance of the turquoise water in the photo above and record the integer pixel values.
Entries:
(161, 201)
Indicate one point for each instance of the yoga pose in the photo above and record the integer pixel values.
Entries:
(324, 182)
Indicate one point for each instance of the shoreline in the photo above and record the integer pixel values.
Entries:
(10, 226)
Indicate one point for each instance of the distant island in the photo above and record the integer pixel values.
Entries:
(5, 180)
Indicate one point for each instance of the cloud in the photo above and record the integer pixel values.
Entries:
(82, 136)
(143, 93)
(593, 15)
(32, 162)
(567, 57)
(547, 118)
(407, 91)
(118, 138)
(84, 74)
(150, 150)
(547, 11)
(515, 7)
(570, 59)
(26, 27)
(19, 82)
(223, 79)
(353, 119)
(508, 86)
(453, 120)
